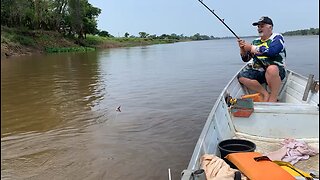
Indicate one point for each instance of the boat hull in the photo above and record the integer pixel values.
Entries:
(294, 116)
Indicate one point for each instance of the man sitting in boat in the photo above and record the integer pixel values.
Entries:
(268, 56)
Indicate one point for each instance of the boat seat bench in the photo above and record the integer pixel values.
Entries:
(271, 121)
(273, 118)
(263, 107)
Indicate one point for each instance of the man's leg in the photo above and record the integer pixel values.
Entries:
(274, 81)
(255, 86)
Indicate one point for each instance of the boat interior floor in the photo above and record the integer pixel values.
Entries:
(310, 165)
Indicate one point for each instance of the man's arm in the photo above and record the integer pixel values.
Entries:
(246, 56)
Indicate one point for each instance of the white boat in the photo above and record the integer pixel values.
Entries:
(296, 115)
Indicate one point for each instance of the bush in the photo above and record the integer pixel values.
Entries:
(24, 40)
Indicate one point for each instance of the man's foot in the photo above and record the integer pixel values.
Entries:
(265, 97)
(271, 99)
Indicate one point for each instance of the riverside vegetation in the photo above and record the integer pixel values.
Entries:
(16, 42)
(50, 26)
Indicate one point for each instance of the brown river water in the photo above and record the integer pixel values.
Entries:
(59, 118)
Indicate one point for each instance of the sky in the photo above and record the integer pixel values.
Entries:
(188, 17)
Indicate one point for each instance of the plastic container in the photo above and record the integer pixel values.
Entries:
(241, 112)
(242, 108)
(235, 145)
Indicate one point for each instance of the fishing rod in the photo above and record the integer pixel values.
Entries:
(212, 11)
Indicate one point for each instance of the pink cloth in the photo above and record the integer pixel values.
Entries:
(293, 151)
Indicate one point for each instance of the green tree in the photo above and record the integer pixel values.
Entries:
(104, 34)
(76, 16)
(143, 34)
(59, 8)
(152, 36)
(14, 13)
(174, 36)
(90, 22)
(311, 31)
(83, 17)
(196, 37)
(72, 16)
(164, 36)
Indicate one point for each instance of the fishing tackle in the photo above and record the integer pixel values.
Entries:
(221, 20)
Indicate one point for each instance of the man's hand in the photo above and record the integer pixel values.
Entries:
(243, 45)
(247, 47)
(244, 49)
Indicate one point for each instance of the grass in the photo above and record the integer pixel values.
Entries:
(24, 40)
(54, 42)
(68, 49)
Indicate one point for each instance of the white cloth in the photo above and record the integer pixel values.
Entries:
(293, 151)
(217, 169)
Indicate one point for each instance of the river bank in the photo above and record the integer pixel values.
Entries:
(21, 41)
(18, 42)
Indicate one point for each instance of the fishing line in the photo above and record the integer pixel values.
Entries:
(115, 118)
(221, 20)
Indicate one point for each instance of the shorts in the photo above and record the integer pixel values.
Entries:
(250, 73)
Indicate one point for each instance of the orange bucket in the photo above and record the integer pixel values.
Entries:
(255, 97)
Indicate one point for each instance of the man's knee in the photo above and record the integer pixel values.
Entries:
(272, 70)
(275, 71)
(242, 79)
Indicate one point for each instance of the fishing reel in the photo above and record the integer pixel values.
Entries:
(230, 101)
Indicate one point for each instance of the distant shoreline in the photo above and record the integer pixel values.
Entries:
(15, 42)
